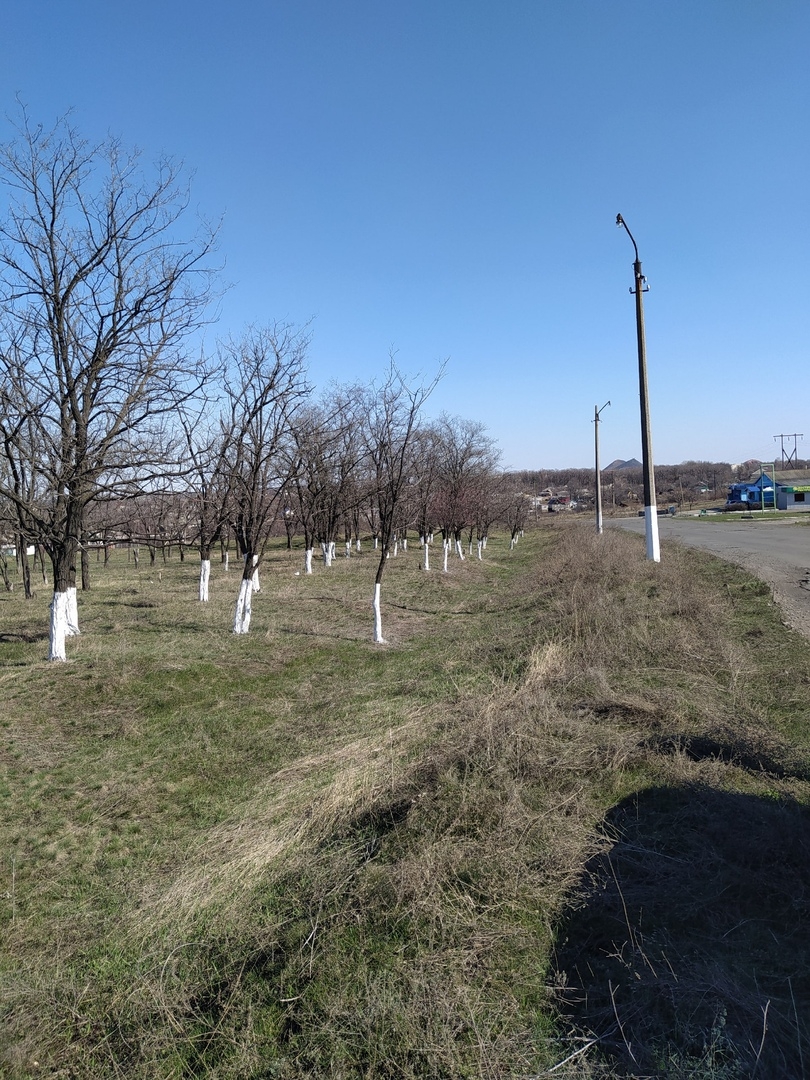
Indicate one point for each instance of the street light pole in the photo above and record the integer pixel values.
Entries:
(650, 509)
(596, 412)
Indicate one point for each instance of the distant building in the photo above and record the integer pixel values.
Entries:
(793, 490)
(756, 493)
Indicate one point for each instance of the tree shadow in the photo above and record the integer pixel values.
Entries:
(28, 637)
(687, 949)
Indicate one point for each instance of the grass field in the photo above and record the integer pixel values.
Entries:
(558, 826)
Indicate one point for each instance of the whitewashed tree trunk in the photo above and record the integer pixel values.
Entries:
(375, 606)
(404, 543)
(469, 549)
(459, 550)
(58, 629)
(480, 548)
(445, 554)
(396, 548)
(375, 543)
(485, 543)
(512, 543)
(332, 548)
(72, 629)
(241, 619)
(426, 557)
(327, 554)
(227, 561)
(256, 584)
(357, 545)
(308, 560)
(205, 574)
(348, 549)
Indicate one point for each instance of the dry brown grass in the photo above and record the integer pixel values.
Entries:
(558, 827)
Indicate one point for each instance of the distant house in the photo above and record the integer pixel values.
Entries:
(756, 493)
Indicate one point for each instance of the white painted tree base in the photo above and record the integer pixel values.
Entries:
(308, 561)
(72, 613)
(205, 574)
(58, 630)
(375, 607)
(241, 619)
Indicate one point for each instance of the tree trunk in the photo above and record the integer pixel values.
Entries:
(64, 615)
(25, 566)
(308, 560)
(375, 603)
(375, 607)
(85, 557)
(241, 619)
(205, 572)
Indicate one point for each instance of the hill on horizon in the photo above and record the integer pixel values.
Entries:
(615, 466)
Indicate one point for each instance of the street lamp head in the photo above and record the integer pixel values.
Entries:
(619, 220)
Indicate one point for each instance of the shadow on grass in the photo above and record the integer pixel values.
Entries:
(29, 638)
(744, 754)
(687, 952)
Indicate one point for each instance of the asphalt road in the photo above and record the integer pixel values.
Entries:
(778, 552)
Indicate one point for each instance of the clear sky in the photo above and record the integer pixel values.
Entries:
(442, 178)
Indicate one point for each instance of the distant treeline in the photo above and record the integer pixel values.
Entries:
(677, 483)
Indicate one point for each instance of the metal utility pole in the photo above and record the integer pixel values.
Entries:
(596, 412)
(650, 508)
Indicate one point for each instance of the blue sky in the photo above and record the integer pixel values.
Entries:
(442, 178)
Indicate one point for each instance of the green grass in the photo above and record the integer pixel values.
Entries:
(298, 854)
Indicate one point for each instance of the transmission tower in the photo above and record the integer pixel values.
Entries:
(787, 458)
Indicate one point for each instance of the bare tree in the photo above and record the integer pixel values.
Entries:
(392, 412)
(467, 456)
(208, 443)
(265, 387)
(97, 294)
(324, 472)
(426, 461)
(513, 509)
